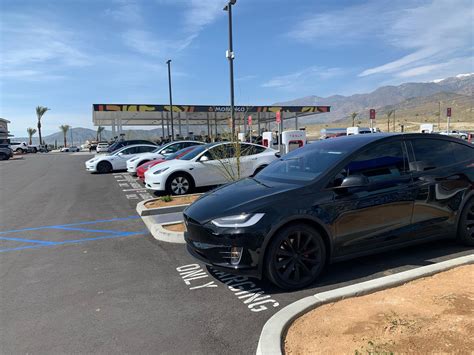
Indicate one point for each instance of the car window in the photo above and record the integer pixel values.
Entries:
(462, 152)
(131, 150)
(431, 154)
(145, 149)
(250, 149)
(222, 151)
(381, 162)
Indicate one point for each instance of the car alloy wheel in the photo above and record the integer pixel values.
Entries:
(179, 185)
(466, 224)
(296, 257)
(104, 167)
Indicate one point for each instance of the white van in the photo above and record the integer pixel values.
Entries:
(357, 130)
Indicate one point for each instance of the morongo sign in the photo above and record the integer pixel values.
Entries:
(205, 108)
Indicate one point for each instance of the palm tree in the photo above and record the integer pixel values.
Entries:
(64, 128)
(353, 116)
(30, 131)
(40, 111)
(100, 129)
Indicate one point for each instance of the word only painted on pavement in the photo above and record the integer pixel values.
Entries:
(245, 290)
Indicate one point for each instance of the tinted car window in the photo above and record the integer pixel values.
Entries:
(431, 154)
(131, 150)
(462, 152)
(381, 162)
(145, 149)
(222, 151)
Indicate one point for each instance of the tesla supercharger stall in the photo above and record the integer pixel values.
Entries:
(290, 140)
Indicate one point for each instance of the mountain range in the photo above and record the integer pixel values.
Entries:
(386, 98)
(413, 102)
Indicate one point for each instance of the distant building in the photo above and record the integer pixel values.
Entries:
(4, 132)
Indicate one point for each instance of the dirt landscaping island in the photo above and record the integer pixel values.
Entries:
(174, 201)
(429, 315)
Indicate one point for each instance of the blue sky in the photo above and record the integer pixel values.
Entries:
(69, 54)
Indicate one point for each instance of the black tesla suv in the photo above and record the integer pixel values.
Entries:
(336, 199)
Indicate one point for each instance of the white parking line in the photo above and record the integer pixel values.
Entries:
(140, 189)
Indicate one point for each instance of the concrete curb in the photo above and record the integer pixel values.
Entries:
(271, 338)
(161, 234)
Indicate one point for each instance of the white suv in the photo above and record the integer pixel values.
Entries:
(19, 147)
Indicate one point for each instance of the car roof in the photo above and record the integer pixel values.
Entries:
(358, 140)
(136, 145)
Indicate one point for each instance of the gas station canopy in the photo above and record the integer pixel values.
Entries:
(119, 115)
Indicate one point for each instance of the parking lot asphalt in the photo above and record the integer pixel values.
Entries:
(80, 273)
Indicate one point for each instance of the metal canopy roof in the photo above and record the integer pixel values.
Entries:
(150, 115)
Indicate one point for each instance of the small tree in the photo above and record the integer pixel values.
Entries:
(31, 131)
(64, 128)
(100, 129)
(40, 111)
(353, 116)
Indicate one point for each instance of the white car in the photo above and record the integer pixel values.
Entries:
(19, 147)
(159, 153)
(118, 159)
(457, 134)
(209, 165)
(70, 149)
(102, 147)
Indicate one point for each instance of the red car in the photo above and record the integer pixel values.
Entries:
(144, 167)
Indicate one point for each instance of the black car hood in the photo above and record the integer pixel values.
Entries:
(245, 195)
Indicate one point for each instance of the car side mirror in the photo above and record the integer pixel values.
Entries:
(355, 181)
(203, 158)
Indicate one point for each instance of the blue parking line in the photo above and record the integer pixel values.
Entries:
(77, 241)
(71, 224)
(85, 230)
(28, 240)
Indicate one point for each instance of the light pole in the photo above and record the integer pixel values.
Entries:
(230, 55)
(171, 98)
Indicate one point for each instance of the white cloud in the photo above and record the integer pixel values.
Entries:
(303, 78)
(434, 32)
(428, 33)
(201, 13)
(34, 51)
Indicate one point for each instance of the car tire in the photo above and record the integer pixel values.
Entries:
(295, 257)
(104, 167)
(466, 224)
(4, 156)
(21, 151)
(179, 184)
(35, 150)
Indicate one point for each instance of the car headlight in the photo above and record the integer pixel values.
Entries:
(237, 221)
(160, 171)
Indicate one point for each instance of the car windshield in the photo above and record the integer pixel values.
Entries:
(195, 152)
(305, 164)
(183, 152)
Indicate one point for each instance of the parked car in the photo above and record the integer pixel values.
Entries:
(457, 134)
(33, 148)
(159, 153)
(19, 147)
(70, 149)
(208, 165)
(145, 166)
(5, 152)
(102, 147)
(116, 160)
(336, 199)
(119, 144)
